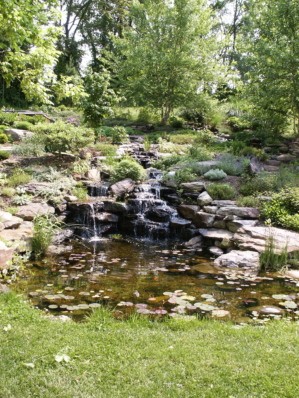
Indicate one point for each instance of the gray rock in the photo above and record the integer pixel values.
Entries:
(188, 211)
(115, 207)
(30, 211)
(214, 233)
(223, 203)
(234, 225)
(243, 212)
(8, 221)
(286, 158)
(94, 175)
(177, 222)
(269, 310)
(193, 187)
(204, 199)
(107, 217)
(256, 238)
(202, 219)
(18, 134)
(215, 251)
(238, 259)
(210, 209)
(122, 187)
(6, 254)
(19, 238)
(194, 243)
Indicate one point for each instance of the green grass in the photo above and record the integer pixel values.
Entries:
(142, 359)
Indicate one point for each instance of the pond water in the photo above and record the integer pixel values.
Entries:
(151, 279)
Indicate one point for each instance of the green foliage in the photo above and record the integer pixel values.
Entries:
(22, 199)
(165, 53)
(176, 122)
(249, 201)
(119, 135)
(64, 137)
(167, 162)
(105, 149)
(239, 148)
(7, 191)
(27, 40)
(270, 260)
(31, 146)
(238, 123)
(182, 138)
(44, 230)
(146, 115)
(18, 177)
(283, 209)
(233, 166)
(221, 191)
(80, 193)
(4, 155)
(23, 125)
(8, 118)
(128, 168)
(215, 174)
(185, 175)
(81, 166)
(100, 99)
(200, 153)
(3, 138)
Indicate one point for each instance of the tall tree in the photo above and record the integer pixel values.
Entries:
(27, 45)
(272, 53)
(167, 53)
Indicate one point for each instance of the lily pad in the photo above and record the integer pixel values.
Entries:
(205, 307)
(220, 313)
(291, 305)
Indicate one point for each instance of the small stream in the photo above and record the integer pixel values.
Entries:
(150, 278)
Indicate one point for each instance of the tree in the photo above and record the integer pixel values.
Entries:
(27, 45)
(166, 53)
(272, 52)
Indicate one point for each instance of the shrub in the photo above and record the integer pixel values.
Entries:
(23, 125)
(185, 175)
(170, 147)
(205, 136)
(262, 182)
(63, 137)
(167, 162)
(176, 122)
(3, 138)
(44, 230)
(200, 153)
(8, 192)
(221, 191)
(182, 139)
(146, 115)
(283, 209)
(119, 135)
(19, 177)
(215, 174)
(105, 149)
(238, 123)
(4, 155)
(248, 201)
(233, 166)
(128, 168)
(80, 192)
(8, 118)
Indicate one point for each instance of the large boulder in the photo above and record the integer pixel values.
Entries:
(203, 219)
(18, 134)
(19, 238)
(193, 187)
(234, 225)
(238, 259)
(204, 199)
(257, 238)
(123, 187)
(30, 211)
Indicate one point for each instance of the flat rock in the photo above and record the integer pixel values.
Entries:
(194, 243)
(6, 254)
(218, 234)
(286, 158)
(223, 203)
(238, 259)
(215, 251)
(193, 187)
(243, 212)
(115, 207)
(30, 211)
(18, 134)
(18, 238)
(293, 274)
(177, 222)
(255, 238)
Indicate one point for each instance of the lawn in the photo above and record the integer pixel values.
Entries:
(103, 357)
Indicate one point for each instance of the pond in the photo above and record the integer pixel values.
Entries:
(149, 278)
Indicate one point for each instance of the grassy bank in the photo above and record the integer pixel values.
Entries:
(137, 358)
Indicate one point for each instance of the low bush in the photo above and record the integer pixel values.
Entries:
(215, 174)
(238, 123)
(3, 137)
(248, 201)
(167, 162)
(105, 149)
(283, 209)
(128, 168)
(18, 177)
(64, 137)
(176, 122)
(32, 146)
(200, 153)
(4, 155)
(8, 192)
(8, 118)
(232, 165)
(221, 191)
(182, 139)
(185, 175)
(23, 125)
(146, 115)
(80, 192)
